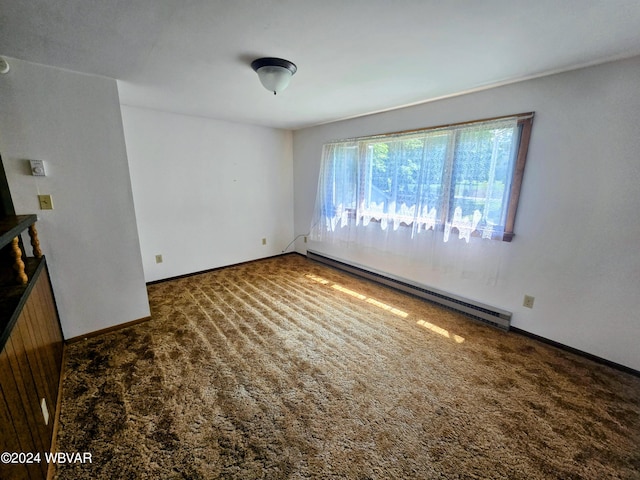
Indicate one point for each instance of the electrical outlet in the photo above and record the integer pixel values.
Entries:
(528, 301)
(158, 258)
(264, 241)
(45, 411)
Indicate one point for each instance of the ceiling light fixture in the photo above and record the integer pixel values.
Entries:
(274, 73)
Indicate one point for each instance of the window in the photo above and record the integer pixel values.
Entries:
(461, 179)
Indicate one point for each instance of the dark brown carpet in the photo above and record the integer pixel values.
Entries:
(286, 369)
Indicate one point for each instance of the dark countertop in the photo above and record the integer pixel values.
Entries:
(13, 296)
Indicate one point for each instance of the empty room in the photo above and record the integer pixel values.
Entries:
(290, 239)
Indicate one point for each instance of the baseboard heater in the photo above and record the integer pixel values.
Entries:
(478, 311)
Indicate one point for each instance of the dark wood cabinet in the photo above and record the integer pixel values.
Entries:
(31, 355)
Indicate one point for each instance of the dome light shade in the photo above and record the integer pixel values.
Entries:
(274, 73)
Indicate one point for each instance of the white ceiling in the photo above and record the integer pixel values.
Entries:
(354, 56)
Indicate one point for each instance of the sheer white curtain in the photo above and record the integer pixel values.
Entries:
(435, 197)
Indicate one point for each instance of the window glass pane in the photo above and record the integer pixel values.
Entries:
(456, 179)
(404, 176)
(431, 179)
(379, 177)
(339, 188)
(480, 176)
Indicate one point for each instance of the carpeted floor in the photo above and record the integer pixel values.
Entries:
(286, 369)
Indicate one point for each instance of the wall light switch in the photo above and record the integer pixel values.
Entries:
(46, 203)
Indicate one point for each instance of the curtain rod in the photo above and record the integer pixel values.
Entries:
(519, 116)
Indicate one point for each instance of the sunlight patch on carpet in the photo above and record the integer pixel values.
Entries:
(360, 296)
(440, 331)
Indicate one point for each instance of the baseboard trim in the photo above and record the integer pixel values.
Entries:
(582, 353)
(51, 469)
(104, 331)
(200, 272)
(474, 309)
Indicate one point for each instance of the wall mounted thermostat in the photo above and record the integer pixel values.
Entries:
(4, 66)
(37, 168)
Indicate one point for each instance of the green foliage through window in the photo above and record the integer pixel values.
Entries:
(457, 178)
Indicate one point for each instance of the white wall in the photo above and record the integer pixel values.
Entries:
(207, 192)
(72, 122)
(577, 229)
